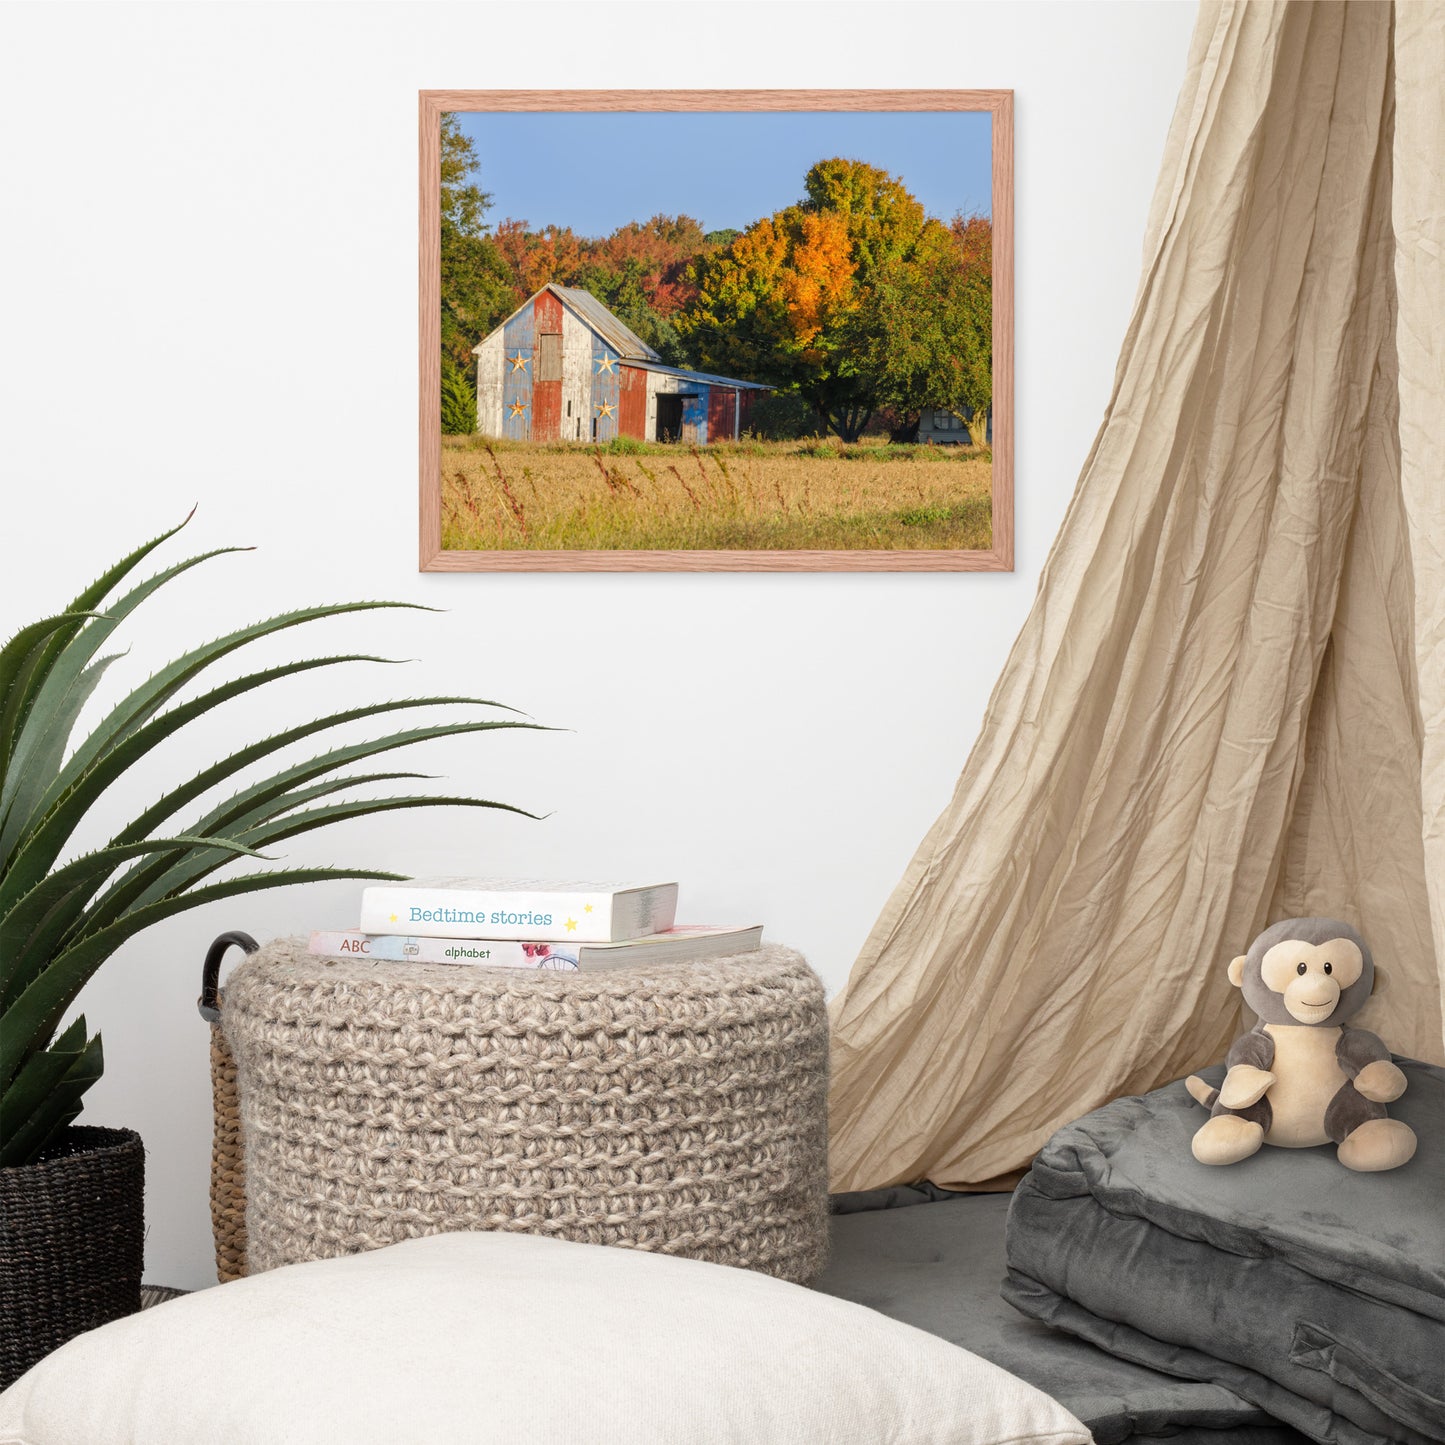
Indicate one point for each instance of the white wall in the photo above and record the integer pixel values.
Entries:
(209, 293)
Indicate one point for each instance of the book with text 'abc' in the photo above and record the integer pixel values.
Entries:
(518, 909)
(685, 943)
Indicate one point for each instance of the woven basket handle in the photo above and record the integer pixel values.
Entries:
(209, 1003)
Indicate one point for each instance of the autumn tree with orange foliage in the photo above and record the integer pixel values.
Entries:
(854, 299)
(639, 272)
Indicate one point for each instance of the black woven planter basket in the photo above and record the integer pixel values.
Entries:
(71, 1243)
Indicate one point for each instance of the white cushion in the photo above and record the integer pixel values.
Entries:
(519, 1340)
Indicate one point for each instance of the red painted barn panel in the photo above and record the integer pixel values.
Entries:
(549, 314)
(632, 412)
(547, 383)
(745, 401)
(722, 409)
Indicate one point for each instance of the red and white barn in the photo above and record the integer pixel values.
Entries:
(563, 367)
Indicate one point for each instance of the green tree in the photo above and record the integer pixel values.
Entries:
(459, 400)
(799, 299)
(630, 291)
(475, 289)
(883, 219)
(782, 416)
(924, 330)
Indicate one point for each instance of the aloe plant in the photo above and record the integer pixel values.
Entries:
(59, 921)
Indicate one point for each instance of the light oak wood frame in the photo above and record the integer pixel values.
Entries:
(435, 103)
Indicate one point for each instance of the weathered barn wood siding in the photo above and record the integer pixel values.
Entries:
(489, 387)
(518, 336)
(653, 382)
(606, 390)
(632, 419)
(694, 414)
(547, 368)
(576, 378)
(722, 411)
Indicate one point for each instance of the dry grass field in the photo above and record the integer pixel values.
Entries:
(499, 495)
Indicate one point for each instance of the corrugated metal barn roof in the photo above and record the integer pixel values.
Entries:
(622, 339)
(703, 376)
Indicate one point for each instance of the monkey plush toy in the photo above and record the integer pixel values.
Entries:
(1302, 1075)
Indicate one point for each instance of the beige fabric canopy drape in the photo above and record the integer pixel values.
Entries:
(1228, 703)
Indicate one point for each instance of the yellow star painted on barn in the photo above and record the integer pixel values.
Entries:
(393, 918)
(587, 908)
(519, 362)
(606, 363)
(571, 925)
(517, 407)
(605, 409)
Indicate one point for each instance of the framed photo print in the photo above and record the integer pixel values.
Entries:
(716, 330)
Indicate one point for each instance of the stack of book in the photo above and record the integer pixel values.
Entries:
(521, 923)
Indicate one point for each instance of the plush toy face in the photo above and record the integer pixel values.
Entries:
(1313, 971)
(1311, 977)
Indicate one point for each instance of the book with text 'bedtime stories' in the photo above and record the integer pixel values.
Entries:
(518, 909)
(682, 944)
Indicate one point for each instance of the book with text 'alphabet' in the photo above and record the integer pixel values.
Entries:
(684, 944)
(521, 909)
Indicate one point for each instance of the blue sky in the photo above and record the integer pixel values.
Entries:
(595, 171)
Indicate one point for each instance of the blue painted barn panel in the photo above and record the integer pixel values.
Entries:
(606, 391)
(518, 364)
(694, 416)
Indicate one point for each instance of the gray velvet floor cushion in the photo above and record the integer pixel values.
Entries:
(938, 1264)
(1311, 1291)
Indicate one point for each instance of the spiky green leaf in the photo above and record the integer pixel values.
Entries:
(63, 805)
(46, 1095)
(38, 670)
(133, 888)
(187, 871)
(153, 694)
(32, 923)
(172, 802)
(243, 805)
(45, 756)
(25, 780)
(20, 660)
(26, 1023)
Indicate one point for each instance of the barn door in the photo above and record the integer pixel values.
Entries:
(722, 414)
(669, 417)
(633, 403)
(694, 417)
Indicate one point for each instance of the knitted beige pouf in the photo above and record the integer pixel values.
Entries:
(671, 1107)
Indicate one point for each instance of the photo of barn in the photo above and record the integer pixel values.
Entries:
(787, 349)
(564, 368)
